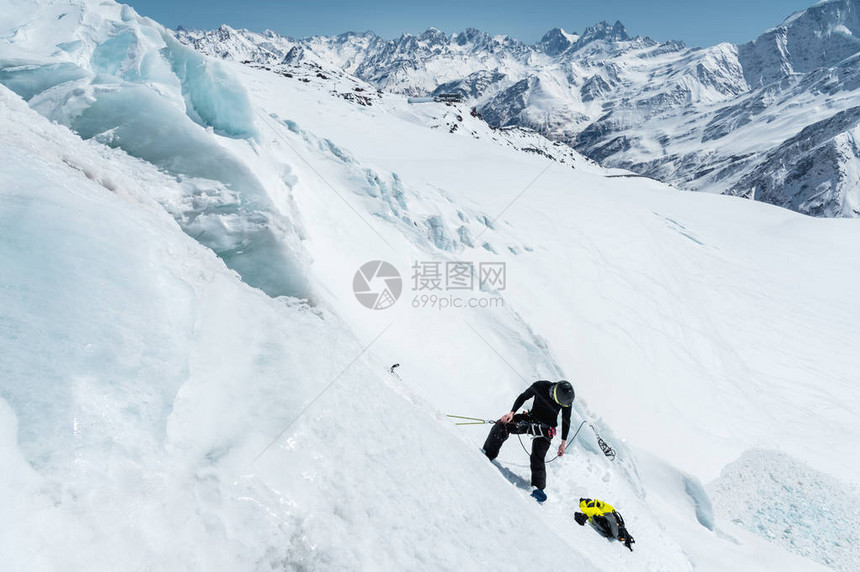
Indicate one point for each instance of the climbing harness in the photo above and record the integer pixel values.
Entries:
(541, 431)
(552, 430)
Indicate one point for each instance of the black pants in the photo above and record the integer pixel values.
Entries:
(540, 445)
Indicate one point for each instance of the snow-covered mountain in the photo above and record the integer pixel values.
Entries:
(189, 381)
(815, 172)
(821, 37)
(704, 119)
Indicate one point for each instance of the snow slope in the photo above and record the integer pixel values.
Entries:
(693, 327)
(580, 245)
(142, 379)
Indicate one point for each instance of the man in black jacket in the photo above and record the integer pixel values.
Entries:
(541, 421)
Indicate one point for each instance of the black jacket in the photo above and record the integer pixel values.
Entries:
(544, 408)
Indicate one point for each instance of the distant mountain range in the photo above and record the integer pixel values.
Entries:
(775, 119)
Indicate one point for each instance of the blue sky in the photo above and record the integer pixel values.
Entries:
(698, 23)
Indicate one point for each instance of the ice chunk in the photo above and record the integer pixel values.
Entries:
(213, 98)
(29, 78)
(242, 230)
(696, 492)
(793, 505)
(110, 56)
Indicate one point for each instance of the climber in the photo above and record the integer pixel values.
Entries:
(540, 422)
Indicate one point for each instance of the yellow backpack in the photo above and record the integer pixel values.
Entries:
(594, 507)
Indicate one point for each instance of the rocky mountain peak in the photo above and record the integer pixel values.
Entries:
(556, 41)
(605, 31)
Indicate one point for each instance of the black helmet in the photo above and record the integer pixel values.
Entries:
(562, 393)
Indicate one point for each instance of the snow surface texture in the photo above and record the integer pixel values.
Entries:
(160, 411)
(710, 119)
